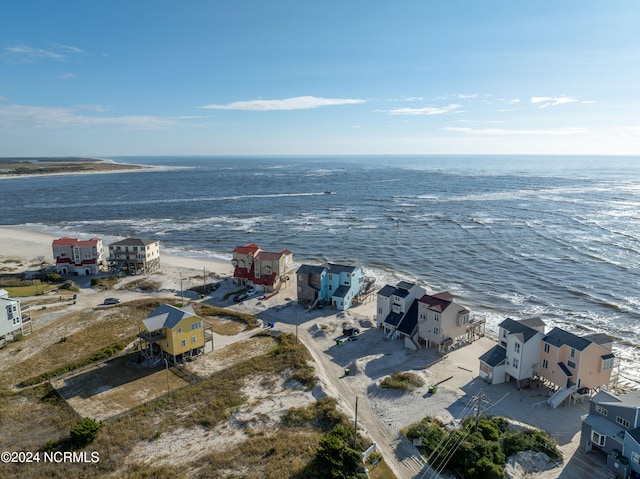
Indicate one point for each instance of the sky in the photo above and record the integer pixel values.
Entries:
(284, 77)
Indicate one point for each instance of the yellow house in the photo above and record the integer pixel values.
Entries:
(171, 333)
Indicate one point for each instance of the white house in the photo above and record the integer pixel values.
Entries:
(82, 257)
(392, 304)
(517, 354)
(10, 314)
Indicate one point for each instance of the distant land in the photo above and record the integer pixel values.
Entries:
(48, 166)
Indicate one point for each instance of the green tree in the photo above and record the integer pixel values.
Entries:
(84, 433)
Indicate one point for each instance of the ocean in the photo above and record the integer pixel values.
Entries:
(509, 236)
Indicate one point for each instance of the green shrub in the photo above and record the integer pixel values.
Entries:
(84, 433)
(405, 381)
(52, 278)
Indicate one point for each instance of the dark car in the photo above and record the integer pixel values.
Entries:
(111, 301)
(240, 297)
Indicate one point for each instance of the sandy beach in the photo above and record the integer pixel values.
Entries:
(382, 413)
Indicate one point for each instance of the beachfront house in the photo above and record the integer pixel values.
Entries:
(571, 362)
(134, 256)
(79, 257)
(442, 322)
(612, 428)
(334, 284)
(172, 333)
(10, 315)
(393, 302)
(260, 269)
(516, 357)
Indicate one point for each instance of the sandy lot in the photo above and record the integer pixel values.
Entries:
(381, 413)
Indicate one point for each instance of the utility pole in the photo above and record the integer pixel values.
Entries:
(166, 363)
(296, 327)
(181, 292)
(355, 428)
(478, 409)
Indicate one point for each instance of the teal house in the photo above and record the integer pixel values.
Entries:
(333, 284)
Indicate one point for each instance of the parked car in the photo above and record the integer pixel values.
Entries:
(111, 301)
(240, 297)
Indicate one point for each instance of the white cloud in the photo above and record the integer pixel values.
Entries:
(54, 52)
(296, 103)
(64, 76)
(546, 101)
(516, 132)
(427, 110)
(24, 116)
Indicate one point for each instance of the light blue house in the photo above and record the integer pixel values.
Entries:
(334, 284)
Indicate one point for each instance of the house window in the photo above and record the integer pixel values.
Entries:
(436, 331)
(197, 325)
(623, 422)
(379, 310)
(545, 364)
(516, 347)
(635, 457)
(607, 364)
(515, 363)
(601, 410)
(437, 317)
(546, 348)
(179, 330)
(193, 339)
(571, 364)
(573, 353)
(184, 342)
(597, 438)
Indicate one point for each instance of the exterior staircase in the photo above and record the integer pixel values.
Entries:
(560, 395)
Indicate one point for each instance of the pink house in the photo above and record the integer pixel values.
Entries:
(82, 257)
(262, 269)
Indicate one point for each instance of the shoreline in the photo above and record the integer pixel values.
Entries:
(29, 246)
(122, 168)
(380, 413)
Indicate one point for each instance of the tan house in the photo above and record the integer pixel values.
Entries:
(76, 256)
(264, 270)
(134, 256)
(172, 333)
(441, 321)
(573, 362)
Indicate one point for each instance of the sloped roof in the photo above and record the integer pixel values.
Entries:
(167, 316)
(247, 249)
(565, 369)
(435, 303)
(409, 320)
(446, 295)
(533, 322)
(635, 434)
(66, 241)
(387, 290)
(133, 242)
(405, 285)
(342, 268)
(559, 337)
(341, 292)
(599, 338)
(518, 328)
(393, 319)
(269, 256)
(494, 356)
(308, 268)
